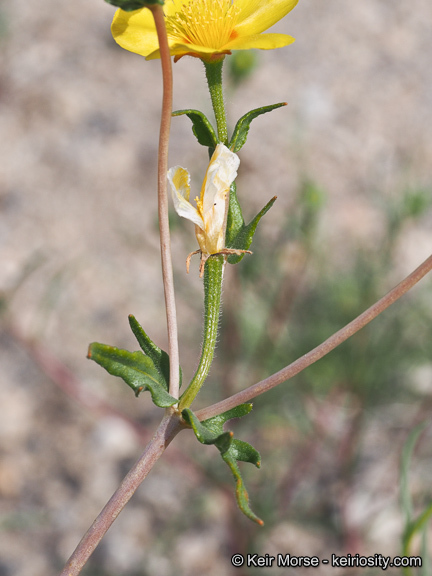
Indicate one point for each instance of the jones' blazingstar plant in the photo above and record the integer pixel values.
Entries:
(209, 30)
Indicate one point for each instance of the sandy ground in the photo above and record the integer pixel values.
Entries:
(78, 124)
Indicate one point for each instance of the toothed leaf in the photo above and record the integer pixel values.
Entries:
(160, 357)
(244, 238)
(241, 129)
(136, 369)
(211, 432)
(201, 127)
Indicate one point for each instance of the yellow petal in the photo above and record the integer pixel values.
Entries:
(135, 31)
(182, 49)
(255, 16)
(261, 41)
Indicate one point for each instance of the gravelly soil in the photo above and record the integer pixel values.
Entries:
(78, 125)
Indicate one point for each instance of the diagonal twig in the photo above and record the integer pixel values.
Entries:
(321, 350)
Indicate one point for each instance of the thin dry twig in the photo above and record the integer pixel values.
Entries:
(167, 270)
(321, 350)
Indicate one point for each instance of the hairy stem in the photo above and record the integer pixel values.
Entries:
(213, 275)
(214, 80)
(167, 271)
(168, 429)
(321, 350)
(213, 271)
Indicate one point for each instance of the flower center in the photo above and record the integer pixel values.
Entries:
(208, 23)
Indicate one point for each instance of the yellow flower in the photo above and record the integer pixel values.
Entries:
(206, 29)
(209, 216)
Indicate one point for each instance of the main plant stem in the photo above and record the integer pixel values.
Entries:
(321, 350)
(214, 266)
(167, 271)
(214, 79)
(213, 273)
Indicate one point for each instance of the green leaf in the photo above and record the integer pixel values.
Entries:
(136, 369)
(160, 357)
(205, 435)
(217, 422)
(242, 496)
(235, 220)
(201, 127)
(241, 129)
(244, 237)
(244, 452)
(130, 5)
(232, 450)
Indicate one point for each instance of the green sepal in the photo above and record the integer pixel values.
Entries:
(135, 368)
(235, 220)
(244, 237)
(232, 450)
(130, 5)
(160, 357)
(201, 127)
(241, 129)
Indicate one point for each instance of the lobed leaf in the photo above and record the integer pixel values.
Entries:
(241, 129)
(217, 422)
(244, 452)
(201, 127)
(232, 450)
(136, 369)
(205, 435)
(242, 495)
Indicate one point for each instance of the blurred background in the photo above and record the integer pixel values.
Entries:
(350, 160)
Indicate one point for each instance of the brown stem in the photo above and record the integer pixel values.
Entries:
(321, 350)
(167, 271)
(168, 429)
